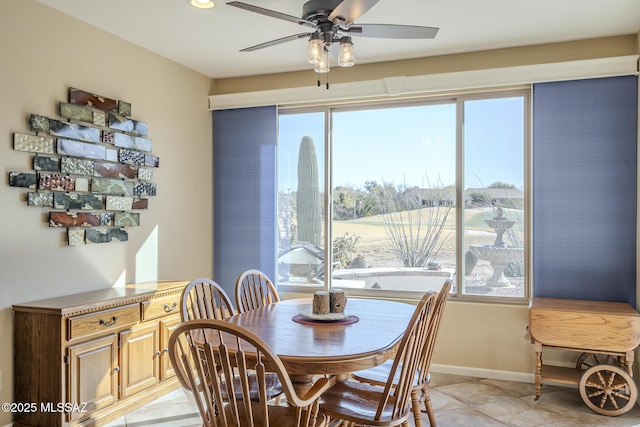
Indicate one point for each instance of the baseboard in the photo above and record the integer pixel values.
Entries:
(493, 374)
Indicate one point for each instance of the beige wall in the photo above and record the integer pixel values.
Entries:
(497, 58)
(43, 53)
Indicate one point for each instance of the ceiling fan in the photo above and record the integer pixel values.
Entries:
(333, 23)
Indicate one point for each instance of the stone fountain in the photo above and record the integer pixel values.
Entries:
(498, 254)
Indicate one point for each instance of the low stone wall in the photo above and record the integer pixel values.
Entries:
(391, 278)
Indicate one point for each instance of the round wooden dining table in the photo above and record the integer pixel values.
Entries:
(329, 348)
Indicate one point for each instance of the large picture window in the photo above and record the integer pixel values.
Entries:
(420, 192)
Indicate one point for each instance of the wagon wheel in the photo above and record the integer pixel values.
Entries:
(608, 390)
(587, 360)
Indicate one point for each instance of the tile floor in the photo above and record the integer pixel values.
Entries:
(458, 401)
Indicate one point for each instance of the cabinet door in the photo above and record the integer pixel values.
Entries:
(93, 374)
(139, 358)
(167, 326)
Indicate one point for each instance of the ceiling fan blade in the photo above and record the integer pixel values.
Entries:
(272, 13)
(391, 31)
(276, 42)
(350, 10)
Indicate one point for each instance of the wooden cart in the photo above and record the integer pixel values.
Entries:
(605, 334)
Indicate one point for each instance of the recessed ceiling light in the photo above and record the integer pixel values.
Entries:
(202, 4)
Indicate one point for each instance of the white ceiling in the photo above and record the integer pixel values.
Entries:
(209, 40)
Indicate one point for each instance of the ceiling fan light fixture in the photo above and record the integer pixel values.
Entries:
(346, 54)
(330, 21)
(323, 65)
(202, 4)
(314, 49)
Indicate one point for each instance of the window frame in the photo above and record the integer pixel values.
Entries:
(458, 98)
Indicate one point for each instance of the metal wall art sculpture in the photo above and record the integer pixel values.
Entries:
(92, 166)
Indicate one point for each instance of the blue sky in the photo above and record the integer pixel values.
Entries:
(412, 145)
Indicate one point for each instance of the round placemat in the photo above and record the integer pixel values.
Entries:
(346, 321)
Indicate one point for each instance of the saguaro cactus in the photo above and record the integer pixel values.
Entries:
(309, 205)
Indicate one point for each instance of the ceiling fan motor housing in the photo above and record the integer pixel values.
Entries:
(319, 10)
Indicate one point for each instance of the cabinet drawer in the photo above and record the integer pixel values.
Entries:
(95, 323)
(163, 306)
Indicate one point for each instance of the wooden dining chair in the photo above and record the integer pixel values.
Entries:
(420, 389)
(244, 360)
(356, 402)
(254, 289)
(205, 299)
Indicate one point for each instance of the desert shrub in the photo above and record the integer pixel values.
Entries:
(415, 233)
(344, 247)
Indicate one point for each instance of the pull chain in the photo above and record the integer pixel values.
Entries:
(327, 82)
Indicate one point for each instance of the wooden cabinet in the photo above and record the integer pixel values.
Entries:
(139, 359)
(93, 373)
(166, 328)
(89, 358)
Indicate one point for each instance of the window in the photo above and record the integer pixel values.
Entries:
(300, 214)
(494, 184)
(421, 191)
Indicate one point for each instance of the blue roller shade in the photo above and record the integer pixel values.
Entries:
(584, 189)
(244, 185)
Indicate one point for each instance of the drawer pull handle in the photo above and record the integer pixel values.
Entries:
(168, 308)
(166, 350)
(117, 369)
(158, 353)
(107, 324)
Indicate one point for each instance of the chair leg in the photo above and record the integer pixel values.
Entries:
(429, 408)
(415, 407)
